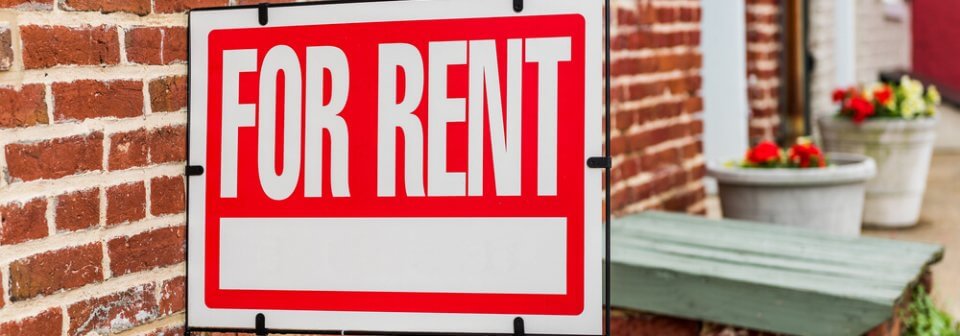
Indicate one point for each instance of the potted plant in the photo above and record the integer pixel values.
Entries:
(893, 123)
(798, 187)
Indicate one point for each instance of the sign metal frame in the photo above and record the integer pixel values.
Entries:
(604, 162)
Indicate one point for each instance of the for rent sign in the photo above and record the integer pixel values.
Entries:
(397, 166)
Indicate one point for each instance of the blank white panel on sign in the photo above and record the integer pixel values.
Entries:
(428, 255)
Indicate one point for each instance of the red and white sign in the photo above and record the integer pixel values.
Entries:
(407, 166)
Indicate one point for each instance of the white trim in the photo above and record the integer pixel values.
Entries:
(845, 42)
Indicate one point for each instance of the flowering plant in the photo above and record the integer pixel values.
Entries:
(906, 99)
(803, 154)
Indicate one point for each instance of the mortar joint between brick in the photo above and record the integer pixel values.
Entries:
(122, 44)
(107, 271)
(50, 216)
(65, 320)
(147, 193)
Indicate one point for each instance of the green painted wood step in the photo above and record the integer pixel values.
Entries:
(760, 276)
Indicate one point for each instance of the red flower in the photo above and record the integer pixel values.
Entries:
(838, 95)
(860, 107)
(806, 155)
(764, 153)
(883, 94)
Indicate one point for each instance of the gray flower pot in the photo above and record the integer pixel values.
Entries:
(902, 151)
(828, 199)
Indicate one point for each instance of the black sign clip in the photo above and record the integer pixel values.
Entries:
(262, 11)
(518, 6)
(518, 327)
(194, 170)
(260, 325)
(598, 162)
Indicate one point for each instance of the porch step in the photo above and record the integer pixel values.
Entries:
(760, 276)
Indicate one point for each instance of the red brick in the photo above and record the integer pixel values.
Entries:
(167, 195)
(168, 144)
(624, 323)
(55, 158)
(158, 248)
(173, 6)
(27, 4)
(47, 323)
(23, 107)
(156, 45)
(173, 296)
(254, 2)
(6, 48)
(22, 222)
(126, 202)
(78, 210)
(168, 94)
(84, 99)
(113, 313)
(51, 272)
(128, 150)
(139, 7)
(144, 45)
(47, 46)
(171, 331)
(174, 45)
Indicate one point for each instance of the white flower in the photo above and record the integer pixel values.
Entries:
(911, 88)
(911, 106)
(933, 95)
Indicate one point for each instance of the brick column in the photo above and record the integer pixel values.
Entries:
(657, 106)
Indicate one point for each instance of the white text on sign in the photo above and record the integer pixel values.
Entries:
(394, 116)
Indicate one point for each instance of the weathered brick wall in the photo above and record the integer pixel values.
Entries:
(92, 132)
(883, 39)
(821, 43)
(656, 106)
(763, 67)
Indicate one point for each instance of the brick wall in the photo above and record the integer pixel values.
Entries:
(883, 41)
(657, 107)
(92, 132)
(820, 41)
(763, 68)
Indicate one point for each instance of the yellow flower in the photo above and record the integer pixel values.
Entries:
(911, 88)
(933, 95)
(911, 106)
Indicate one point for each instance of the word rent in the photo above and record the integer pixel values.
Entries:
(423, 82)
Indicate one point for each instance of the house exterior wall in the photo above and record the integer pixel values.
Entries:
(934, 48)
(92, 132)
(764, 48)
(882, 43)
(656, 107)
(821, 45)
(883, 38)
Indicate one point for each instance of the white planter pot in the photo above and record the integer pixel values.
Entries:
(902, 151)
(827, 199)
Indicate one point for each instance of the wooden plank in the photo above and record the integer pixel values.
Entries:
(879, 292)
(761, 276)
(744, 304)
(760, 232)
